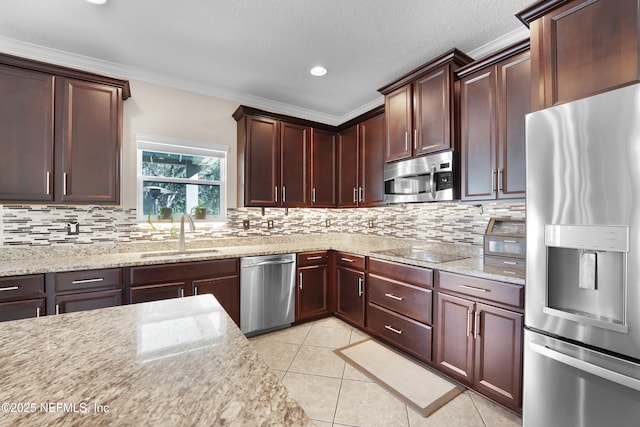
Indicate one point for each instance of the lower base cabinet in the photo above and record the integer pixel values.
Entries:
(24, 309)
(312, 286)
(88, 301)
(83, 290)
(350, 288)
(22, 297)
(225, 289)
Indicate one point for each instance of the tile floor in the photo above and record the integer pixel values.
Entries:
(335, 394)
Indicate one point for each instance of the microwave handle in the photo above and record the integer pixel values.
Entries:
(432, 182)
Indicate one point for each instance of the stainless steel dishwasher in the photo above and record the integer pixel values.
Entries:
(267, 292)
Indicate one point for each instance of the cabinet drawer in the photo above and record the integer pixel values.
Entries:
(171, 272)
(507, 266)
(89, 280)
(418, 276)
(156, 292)
(408, 300)
(313, 258)
(88, 301)
(350, 260)
(21, 309)
(409, 335)
(21, 287)
(489, 290)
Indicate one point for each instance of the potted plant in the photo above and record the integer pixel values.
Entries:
(200, 212)
(166, 213)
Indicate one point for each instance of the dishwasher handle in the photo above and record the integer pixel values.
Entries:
(274, 262)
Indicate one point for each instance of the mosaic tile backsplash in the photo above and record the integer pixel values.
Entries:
(38, 225)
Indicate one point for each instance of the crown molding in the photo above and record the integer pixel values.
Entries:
(501, 42)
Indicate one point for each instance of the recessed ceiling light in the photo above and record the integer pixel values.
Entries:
(318, 71)
(97, 1)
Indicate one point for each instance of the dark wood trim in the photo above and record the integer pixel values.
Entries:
(58, 70)
(494, 58)
(537, 10)
(458, 58)
(243, 110)
(361, 118)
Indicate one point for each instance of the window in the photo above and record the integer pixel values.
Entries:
(177, 177)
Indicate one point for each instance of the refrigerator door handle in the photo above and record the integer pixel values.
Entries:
(590, 368)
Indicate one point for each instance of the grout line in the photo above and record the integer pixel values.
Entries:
(477, 409)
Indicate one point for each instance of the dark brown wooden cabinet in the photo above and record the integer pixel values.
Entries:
(420, 109)
(157, 282)
(295, 165)
(360, 153)
(494, 98)
(323, 168)
(61, 134)
(84, 290)
(350, 288)
(581, 47)
(312, 285)
(22, 297)
(479, 335)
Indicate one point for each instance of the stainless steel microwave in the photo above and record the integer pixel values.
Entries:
(423, 179)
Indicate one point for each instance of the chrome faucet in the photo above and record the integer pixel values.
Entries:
(181, 248)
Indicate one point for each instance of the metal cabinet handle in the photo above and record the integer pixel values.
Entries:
(346, 259)
(57, 309)
(360, 287)
(432, 182)
(48, 183)
(415, 139)
(64, 183)
(392, 329)
(510, 262)
(360, 194)
(275, 192)
(493, 180)
(195, 290)
(80, 282)
(406, 141)
(469, 320)
(509, 241)
(355, 195)
(300, 280)
(313, 258)
(181, 293)
(37, 311)
(392, 296)
(474, 288)
(476, 325)
(9, 288)
(500, 180)
(313, 195)
(284, 194)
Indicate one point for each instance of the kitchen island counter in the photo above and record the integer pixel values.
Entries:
(172, 362)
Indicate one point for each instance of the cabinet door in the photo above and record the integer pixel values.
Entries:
(148, 293)
(311, 293)
(454, 340)
(323, 169)
(88, 128)
(498, 357)
(371, 162)
(478, 149)
(26, 136)
(226, 290)
(295, 160)
(350, 284)
(398, 114)
(21, 309)
(88, 301)
(347, 185)
(514, 102)
(262, 162)
(432, 112)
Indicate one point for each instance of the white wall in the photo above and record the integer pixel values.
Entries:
(164, 111)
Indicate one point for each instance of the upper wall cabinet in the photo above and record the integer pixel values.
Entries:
(420, 108)
(581, 47)
(494, 99)
(61, 134)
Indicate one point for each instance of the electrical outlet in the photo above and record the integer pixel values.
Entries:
(73, 228)
(371, 224)
(270, 224)
(245, 224)
(327, 222)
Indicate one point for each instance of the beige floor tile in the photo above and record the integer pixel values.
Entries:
(323, 336)
(278, 374)
(351, 373)
(460, 412)
(294, 335)
(332, 322)
(278, 355)
(493, 414)
(317, 395)
(357, 335)
(367, 404)
(323, 423)
(317, 361)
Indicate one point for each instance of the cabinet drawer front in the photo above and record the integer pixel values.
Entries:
(88, 301)
(21, 287)
(21, 309)
(507, 266)
(313, 258)
(418, 276)
(411, 336)
(88, 280)
(350, 260)
(156, 292)
(489, 290)
(410, 301)
(181, 271)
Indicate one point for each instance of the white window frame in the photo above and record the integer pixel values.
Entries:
(163, 144)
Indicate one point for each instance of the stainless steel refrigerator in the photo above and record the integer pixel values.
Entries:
(582, 292)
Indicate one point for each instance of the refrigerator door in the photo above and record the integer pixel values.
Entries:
(583, 221)
(568, 385)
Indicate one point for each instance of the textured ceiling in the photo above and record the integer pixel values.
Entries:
(259, 52)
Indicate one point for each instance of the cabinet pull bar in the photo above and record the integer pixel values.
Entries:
(392, 329)
(360, 194)
(510, 262)
(64, 184)
(355, 195)
(195, 290)
(509, 241)
(300, 280)
(346, 259)
(360, 286)
(406, 141)
(313, 258)
(392, 296)
(474, 288)
(48, 183)
(284, 194)
(415, 139)
(79, 282)
(476, 325)
(493, 180)
(57, 309)
(500, 180)
(313, 195)
(469, 320)
(10, 288)
(275, 192)
(181, 293)
(37, 311)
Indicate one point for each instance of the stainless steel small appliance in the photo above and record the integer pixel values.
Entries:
(423, 179)
(582, 292)
(267, 293)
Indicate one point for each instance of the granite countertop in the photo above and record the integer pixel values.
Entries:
(21, 261)
(178, 362)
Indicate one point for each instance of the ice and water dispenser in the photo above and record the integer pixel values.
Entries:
(587, 274)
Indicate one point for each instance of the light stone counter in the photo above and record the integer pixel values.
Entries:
(178, 362)
(35, 260)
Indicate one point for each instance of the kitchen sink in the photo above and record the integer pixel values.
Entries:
(178, 253)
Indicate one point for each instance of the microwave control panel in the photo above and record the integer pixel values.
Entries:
(444, 180)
